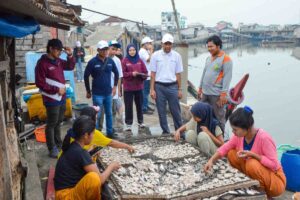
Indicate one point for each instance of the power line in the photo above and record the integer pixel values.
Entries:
(101, 13)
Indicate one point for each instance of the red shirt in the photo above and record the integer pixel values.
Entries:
(131, 83)
(52, 69)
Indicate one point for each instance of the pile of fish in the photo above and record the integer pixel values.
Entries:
(168, 169)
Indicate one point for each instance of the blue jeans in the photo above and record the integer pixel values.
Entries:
(164, 95)
(146, 93)
(106, 103)
(79, 71)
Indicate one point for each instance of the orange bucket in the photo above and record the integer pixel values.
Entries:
(40, 135)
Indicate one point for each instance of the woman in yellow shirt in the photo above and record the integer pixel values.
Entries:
(99, 139)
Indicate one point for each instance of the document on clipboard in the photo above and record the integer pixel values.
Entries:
(56, 84)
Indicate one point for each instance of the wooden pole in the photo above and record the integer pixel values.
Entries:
(176, 19)
(182, 49)
(5, 172)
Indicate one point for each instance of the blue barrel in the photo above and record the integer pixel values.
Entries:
(290, 161)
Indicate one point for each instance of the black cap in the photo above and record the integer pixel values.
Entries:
(56, 43)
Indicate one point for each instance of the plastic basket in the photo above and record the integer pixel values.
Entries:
(40, 135)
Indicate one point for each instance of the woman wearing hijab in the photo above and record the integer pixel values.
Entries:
(203, 130)
(134, 75)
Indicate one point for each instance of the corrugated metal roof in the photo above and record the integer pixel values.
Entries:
(60, 16)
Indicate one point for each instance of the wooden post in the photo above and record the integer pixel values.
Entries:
(176, 19)
(5, 172)
(182, 49)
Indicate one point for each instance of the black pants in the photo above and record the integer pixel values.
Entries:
(137, 96)
(55, 115)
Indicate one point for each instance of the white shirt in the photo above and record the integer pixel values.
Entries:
(119, 67)
(145, 55)
(166, 66)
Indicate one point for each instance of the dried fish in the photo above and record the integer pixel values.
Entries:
(163, 167)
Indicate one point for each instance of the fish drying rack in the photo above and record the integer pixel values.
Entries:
(181, 195)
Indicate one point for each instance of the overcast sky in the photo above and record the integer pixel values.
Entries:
(207, 12)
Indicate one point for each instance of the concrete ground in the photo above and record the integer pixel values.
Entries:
(37, 152)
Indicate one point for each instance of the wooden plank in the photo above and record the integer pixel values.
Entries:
(4, 65)
(6, 192)
(50, 193)
(12, 79)
(2, 49)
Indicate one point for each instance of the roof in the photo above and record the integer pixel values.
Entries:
(104, 33)
(113, 19)
(51, 13)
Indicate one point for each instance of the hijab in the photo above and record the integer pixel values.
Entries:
(133, 59)
(205, 112)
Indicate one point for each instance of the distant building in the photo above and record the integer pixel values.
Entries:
(223, 25)
(168, 22)
(195, 30)
(124, 31)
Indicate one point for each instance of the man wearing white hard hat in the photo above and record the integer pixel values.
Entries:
(166, 68)
(100, 68)
(79, 57)
(145, 54)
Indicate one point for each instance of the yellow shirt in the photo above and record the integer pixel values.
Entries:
(98, 140)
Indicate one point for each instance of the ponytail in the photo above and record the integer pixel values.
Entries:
(67, 140)
(81, 126)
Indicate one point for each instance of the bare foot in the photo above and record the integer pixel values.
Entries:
(296, 196)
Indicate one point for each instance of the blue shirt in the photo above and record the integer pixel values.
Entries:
(248, 147)
(101, 84)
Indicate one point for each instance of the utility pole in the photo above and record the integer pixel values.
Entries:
(182, 48)
(176, 19)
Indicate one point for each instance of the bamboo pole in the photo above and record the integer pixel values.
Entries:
(176, 19)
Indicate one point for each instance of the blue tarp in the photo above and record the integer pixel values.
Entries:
(31, 59)
(18, 27)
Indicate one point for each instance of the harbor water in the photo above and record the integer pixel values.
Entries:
(273, 88)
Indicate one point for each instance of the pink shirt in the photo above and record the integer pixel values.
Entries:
(263, 145)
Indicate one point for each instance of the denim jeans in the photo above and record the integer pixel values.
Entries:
(164, 95)
(55, 115)
(146, 93)
(106, 103)
(79, 71)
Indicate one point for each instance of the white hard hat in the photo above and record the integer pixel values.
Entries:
(102, 44)
(78, 44)
(167, 38)
(146, 40)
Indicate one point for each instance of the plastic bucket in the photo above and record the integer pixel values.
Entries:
(291, 164)
(40, 135)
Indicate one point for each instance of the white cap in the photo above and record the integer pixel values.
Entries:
(102, 44)
(78, 44)
(167, 38)
(146, 40)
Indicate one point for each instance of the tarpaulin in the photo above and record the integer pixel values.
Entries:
(18, 27)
